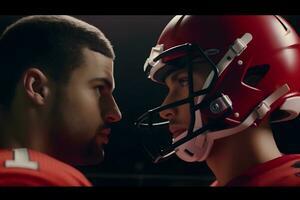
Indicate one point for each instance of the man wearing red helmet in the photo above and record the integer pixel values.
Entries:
(228, 79)
(56, 102)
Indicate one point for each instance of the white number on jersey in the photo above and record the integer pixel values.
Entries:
(21, 160)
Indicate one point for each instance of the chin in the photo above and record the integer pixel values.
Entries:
(85, 161)
(94, 157)
(91, 156)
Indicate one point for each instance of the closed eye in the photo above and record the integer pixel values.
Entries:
(102, 89)
(184, 81)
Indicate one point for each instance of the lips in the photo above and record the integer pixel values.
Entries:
(176, 130)
(105, 131)
(103, 136)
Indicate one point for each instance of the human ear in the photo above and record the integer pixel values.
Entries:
(36, 86)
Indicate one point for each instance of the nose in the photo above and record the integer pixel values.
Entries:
(113, 113)
(169, 113)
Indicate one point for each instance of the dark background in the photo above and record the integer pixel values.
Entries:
(126, 163)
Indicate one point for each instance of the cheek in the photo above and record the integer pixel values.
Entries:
(178, 93)
(184, 114)
(81, 115)
(198, 82)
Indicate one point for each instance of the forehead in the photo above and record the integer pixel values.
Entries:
(93, 65)
(200, 69)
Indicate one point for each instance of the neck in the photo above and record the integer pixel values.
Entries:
(232, 156)
(19, 130)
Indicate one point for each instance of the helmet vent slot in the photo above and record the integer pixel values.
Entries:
(279, 114)
(255, 74)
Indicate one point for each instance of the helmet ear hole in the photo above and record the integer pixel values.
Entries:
(255, 74)
(278, 115)
(289, 110)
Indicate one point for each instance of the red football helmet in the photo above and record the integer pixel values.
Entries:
(255, 72)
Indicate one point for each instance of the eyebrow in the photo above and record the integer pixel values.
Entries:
(105, 80)
(185, 69)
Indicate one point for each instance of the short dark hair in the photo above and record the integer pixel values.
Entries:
(52, 43)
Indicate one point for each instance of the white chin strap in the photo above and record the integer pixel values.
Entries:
(199, 147)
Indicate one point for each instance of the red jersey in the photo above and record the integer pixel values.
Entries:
(282, 171)
(24, 167)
